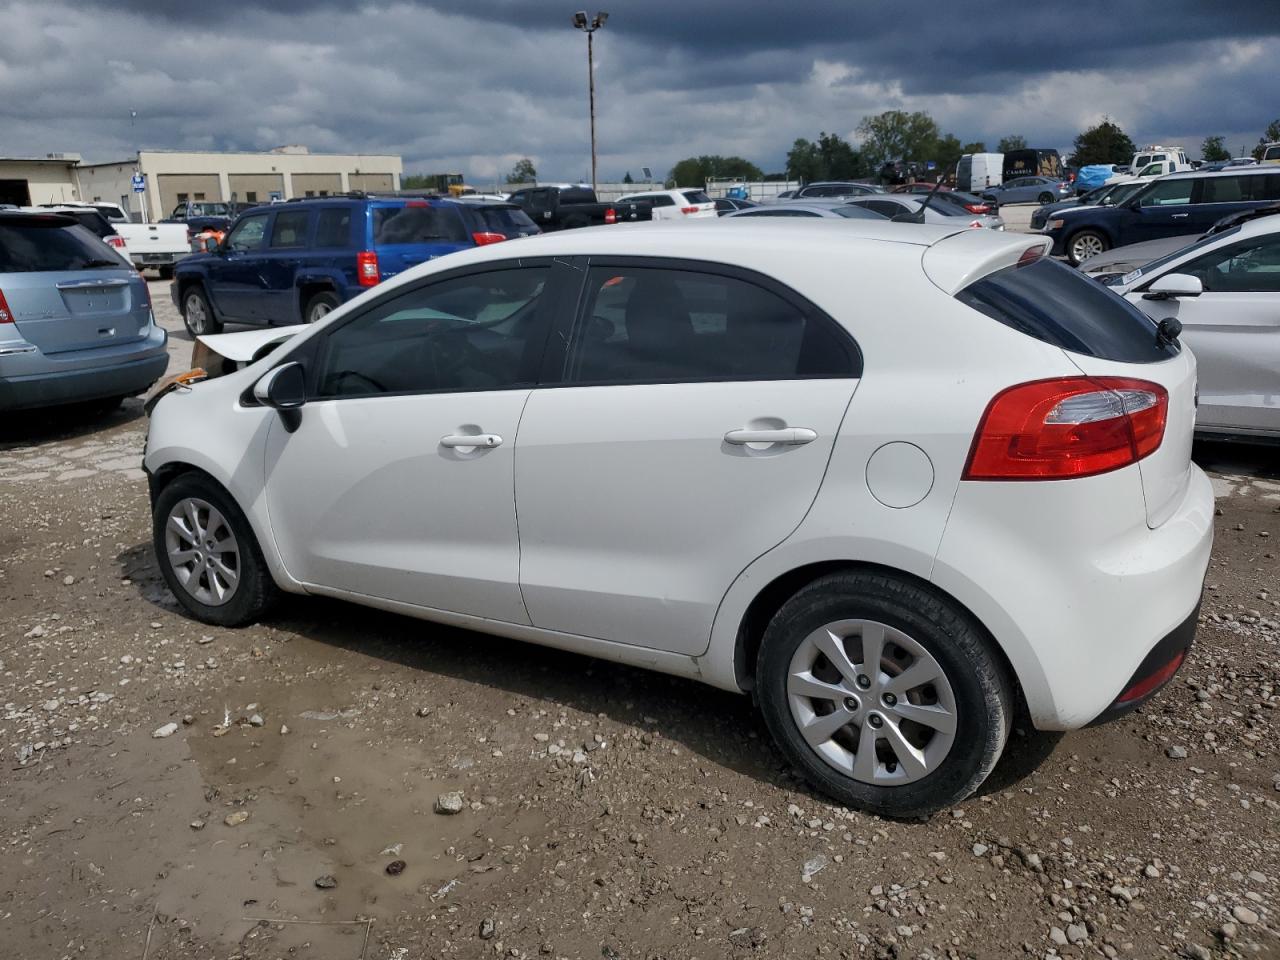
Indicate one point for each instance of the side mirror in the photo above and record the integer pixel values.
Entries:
(1174, 285)
(284, 389)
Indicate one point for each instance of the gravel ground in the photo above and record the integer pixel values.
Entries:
(341, 783)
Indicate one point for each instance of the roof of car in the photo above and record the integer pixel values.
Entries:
(1241, 171)
(815, 204)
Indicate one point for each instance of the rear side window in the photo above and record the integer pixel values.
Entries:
(38, 247)
(417, 224)
(94, 222)
(290, 229)
(1053, 303)
(656, 325)
(333, 227)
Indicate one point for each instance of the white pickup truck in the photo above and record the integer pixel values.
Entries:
(158, 245)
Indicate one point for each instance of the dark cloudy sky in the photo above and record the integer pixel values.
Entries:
(472, 85)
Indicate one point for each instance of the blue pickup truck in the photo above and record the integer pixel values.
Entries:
(294, 262)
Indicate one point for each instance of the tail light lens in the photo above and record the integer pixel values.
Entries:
(115, 240)
(1149, 684)
(485, 237)
(611, 216)
(688, 210)
(367, 268)
(976, 207)
(5, 315)
(1068, 427)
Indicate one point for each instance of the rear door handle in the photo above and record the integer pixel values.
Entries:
(788, 435)
(471, 440)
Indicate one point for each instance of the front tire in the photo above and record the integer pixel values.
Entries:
(918, 732)
(1086, 244)
(208, 554)
(1044, 198)
(197, 315)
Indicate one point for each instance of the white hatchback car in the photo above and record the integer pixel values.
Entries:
(892, 479)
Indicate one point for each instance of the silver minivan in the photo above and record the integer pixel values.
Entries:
(75, 320)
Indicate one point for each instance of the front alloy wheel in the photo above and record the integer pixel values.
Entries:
(202, 551)
(1084, 245)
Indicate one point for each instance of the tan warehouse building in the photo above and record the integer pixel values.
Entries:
(173, 177)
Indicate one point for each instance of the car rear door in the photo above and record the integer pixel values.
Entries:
(66, 290)
(688, 433)
(409, 232)
(287, 243)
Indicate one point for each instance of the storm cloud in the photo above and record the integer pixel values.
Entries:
(472, 86)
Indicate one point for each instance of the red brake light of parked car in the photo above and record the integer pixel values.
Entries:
(1030, 255)
(367, 268)
(611, 216)
(416, 203)
(484, 237)
(1153, 682)
(5, 315)
(117, 241)
(977, 207)
(1068, 427)
(688, 210)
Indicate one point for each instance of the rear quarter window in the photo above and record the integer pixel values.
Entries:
(1057, 305)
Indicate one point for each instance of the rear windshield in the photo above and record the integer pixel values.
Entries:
(508, 221)
(416, 224)
(858, 213)
(94, 221)
(39, 247)
(1053, 303)
(695, 196)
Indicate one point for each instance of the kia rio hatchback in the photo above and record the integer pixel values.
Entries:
(890, 479)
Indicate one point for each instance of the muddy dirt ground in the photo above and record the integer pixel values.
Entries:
(605, 811)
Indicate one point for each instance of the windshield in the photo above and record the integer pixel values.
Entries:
(1149, 268)
(695, 196)
(41, 246)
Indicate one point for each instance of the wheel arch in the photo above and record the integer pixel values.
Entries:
(310, 285)
(196, 281)
(769, 600)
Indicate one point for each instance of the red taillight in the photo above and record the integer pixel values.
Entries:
(611, 216)
(1030, 255)
(688, 210)
(1153, 682)
(117, 241)
(1068, 427)
(416, 203)
(484, 237)
(5, 315)
(976, 207)
(367, 268)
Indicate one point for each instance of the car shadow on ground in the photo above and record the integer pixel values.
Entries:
(70, 422)
(721, 727)
(1259, 461)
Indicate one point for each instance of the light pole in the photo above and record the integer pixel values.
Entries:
(589, 27)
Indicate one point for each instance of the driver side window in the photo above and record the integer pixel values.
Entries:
(1249, 267)
(483, 331)
(248, 234)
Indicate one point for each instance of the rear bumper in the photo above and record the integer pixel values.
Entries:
(122, 374)
(1074, 586)
(1159, 666)
(157, 259)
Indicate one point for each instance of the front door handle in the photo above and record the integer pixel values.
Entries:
(788, 435)
(1179, 216)
(471, 440)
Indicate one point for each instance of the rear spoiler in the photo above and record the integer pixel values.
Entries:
(958, 260)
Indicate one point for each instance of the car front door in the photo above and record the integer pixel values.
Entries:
(398, 482)
(1233, 328)
(232, 273)
(1163, 210)
(696, 416)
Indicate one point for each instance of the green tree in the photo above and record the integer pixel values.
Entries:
(627, 178)
(1213, 149)
(416, 181)
(1103, 143)
(1271, 135)
(696, 171)
(978, 146)
(947, 151)
(897, 135)
(1013, 142)
(523, 172)
(831, 157)
(804, 162)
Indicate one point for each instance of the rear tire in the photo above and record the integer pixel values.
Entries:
(902, 751)
(1085, 244)
(320, 306)
(197, 315)
(208, 554)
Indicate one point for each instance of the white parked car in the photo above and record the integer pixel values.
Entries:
(937, 211)
(1225, 292)
(893, 479)
(679, 204)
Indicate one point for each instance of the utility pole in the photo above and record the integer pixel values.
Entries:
(581, 23)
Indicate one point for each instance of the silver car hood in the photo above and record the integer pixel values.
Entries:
(1124, 259)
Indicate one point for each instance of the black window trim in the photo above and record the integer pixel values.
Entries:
(314, 351)
(569, 335)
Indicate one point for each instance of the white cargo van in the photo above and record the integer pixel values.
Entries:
(1174, 158)
(979, 171)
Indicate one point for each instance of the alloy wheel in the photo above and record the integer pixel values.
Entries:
(320, 311)
(202, 551)
(1085, 246)
(195, 314)
(871, 702)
